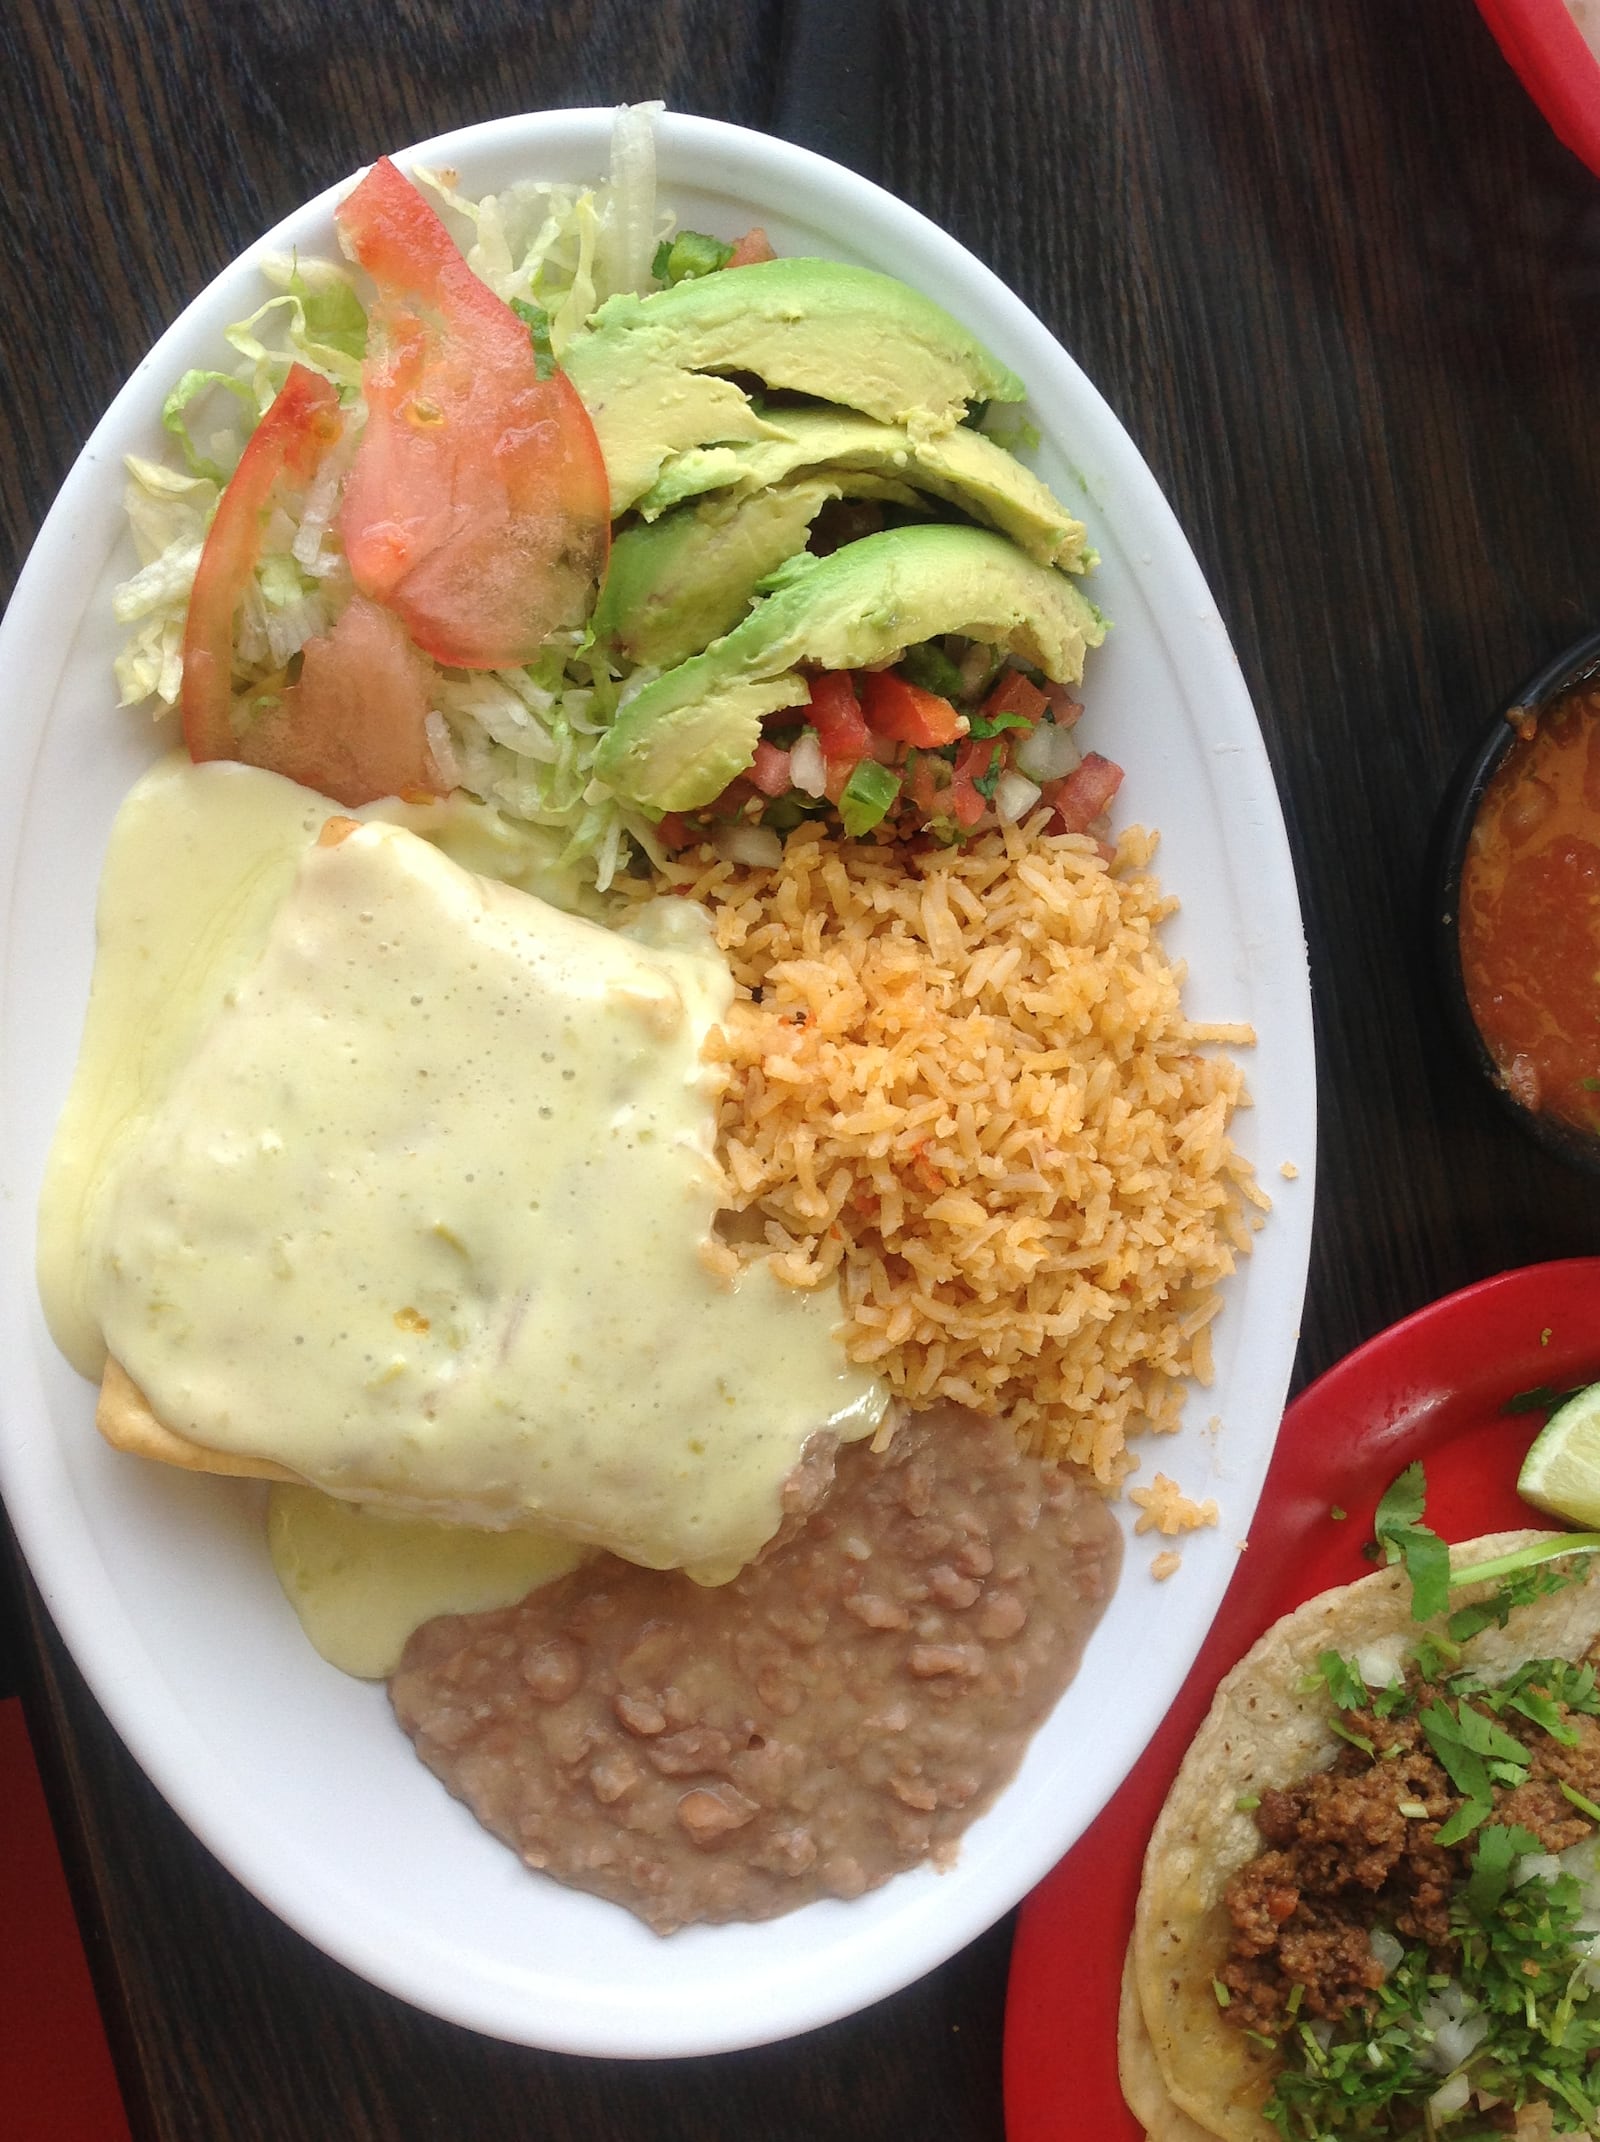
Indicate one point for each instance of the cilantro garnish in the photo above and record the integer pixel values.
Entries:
(1343, 1681)
(1519, 1951)
(1494, 1859)
(537, 321)
(1405, 1538)
(981, 725)
(1543, 1398)
(1516, 1951)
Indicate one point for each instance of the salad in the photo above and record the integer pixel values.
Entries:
(513, 501)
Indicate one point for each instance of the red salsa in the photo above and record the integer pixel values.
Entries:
(1530, 913)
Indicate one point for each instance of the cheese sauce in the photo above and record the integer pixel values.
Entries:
(361, 1578)
(406, 1180)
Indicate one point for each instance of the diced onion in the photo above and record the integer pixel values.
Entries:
(1047, 753)
(808, 769)
(1535, 1867)
(1014, 796)
(1380, 1665)
(1454, 2042)
(1450, 2097)
(759, 846)
(1386, 1949)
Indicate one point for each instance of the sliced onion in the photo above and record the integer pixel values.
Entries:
(758, 846)
(1047, 753)
(1014, 797)
(808, 769)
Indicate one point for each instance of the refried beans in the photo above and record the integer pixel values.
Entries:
(839, 1712)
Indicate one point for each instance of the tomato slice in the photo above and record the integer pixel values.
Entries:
(904, 712)
(284, 452)
(354, 724)
(477, 506)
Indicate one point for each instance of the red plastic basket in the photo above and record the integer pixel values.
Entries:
(1556, 66)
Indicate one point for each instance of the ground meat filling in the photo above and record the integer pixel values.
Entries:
(1355, 1847)
(839, 1712)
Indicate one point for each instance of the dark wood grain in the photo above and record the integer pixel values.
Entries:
(1343, 288)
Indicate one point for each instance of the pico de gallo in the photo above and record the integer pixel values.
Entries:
(380, 583)
(954, 739)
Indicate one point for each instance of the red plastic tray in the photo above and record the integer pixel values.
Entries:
(1556, 67)
(1434, 1387)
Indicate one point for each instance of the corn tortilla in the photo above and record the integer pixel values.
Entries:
(1265, 1729)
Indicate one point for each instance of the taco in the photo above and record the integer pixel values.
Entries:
(1371, 1904)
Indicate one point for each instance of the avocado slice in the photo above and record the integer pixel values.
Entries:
(645, 368)
(679, 742)
(676, 584)
(961, 466)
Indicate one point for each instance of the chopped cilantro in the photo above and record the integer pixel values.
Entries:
(982, 725)
(1584, 1807)
(1405, 1538)
(1356, 1740)
(1500, 1845)
(1543, 1398)
(1435, 1655)
(987, 783)
(1343, 1681)
(537, 321)
(1519, 1952)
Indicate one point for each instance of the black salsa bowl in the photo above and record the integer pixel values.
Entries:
(1575, 667)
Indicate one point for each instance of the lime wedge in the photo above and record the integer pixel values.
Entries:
(1561, 1473)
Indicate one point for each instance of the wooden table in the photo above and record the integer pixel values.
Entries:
(1343, 288)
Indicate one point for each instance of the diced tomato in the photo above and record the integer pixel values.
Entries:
(752, 247)
(1016, 694)
(1079, 797)
(925, 790)
(966, 801)
(674, 831)
(477, 506)
(836, 717)
(896, 708)
(769, 770)
(731, 803)
(284, 452)
(1063, 706)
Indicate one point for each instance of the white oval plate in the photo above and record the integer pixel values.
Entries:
(296, 1777)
